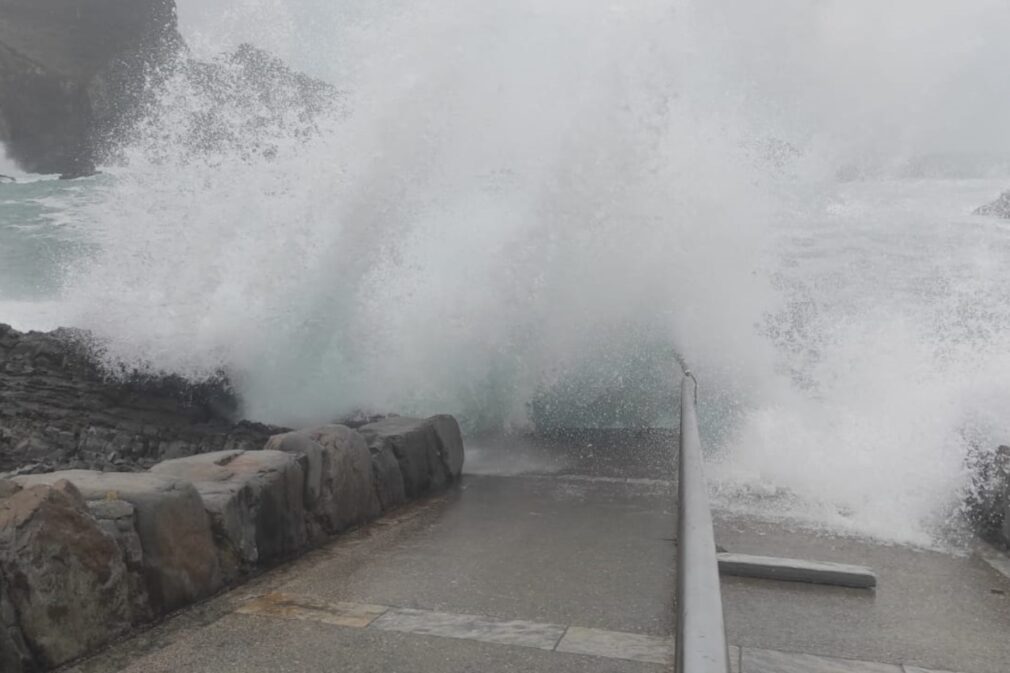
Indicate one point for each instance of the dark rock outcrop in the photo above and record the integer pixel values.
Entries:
(58, 409)
(72, 72)
(998, 208)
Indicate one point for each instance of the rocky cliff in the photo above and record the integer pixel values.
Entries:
(58, 410)
(72, 71)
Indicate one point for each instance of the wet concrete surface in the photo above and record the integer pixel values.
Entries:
(933, 609)
(581, 542)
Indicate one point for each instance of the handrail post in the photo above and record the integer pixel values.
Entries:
(701, 632)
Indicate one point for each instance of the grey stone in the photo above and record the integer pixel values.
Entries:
(347, 495)
(70, 74)
(180, 560)
(429, 451)
(388, 478)
(255, 500)
(118, 518)
(300, 444)
(451, 438)
(64, 577)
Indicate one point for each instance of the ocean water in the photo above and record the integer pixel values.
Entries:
(521, 213)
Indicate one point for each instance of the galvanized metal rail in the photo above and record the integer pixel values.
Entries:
(701, 632)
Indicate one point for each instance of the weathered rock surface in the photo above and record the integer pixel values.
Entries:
(64, 582)
(998, 208)
(72, 71)
(311, 453)
(179, 557)
(346, 494)
(255, 500)
(15, 657)
(59, 410)
(428, 451)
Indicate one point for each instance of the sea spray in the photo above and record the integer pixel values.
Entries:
(520, 212)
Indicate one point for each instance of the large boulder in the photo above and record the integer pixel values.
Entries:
(347, 497)
(179, 557)
(72, 72)
(429, 451)
(63, 578)
(118, 518)
(255, 500)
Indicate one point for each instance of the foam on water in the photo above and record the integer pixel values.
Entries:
(522, 210)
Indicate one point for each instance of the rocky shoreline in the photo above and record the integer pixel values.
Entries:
(179, 500)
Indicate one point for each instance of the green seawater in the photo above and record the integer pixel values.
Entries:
(38, 236)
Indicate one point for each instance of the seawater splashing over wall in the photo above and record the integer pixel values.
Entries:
(512, 191)
(520, 211)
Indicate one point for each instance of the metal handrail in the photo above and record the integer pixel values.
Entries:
(701, 632)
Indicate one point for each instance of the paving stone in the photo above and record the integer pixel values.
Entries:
(469, 627)
(771, 661)
(287, 606)
(616, 645)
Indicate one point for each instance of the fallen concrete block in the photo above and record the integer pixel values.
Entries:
(180, 560)
(255, 500)
(796, 570)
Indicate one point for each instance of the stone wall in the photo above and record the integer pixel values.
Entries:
(86, 555)
(127, 498)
